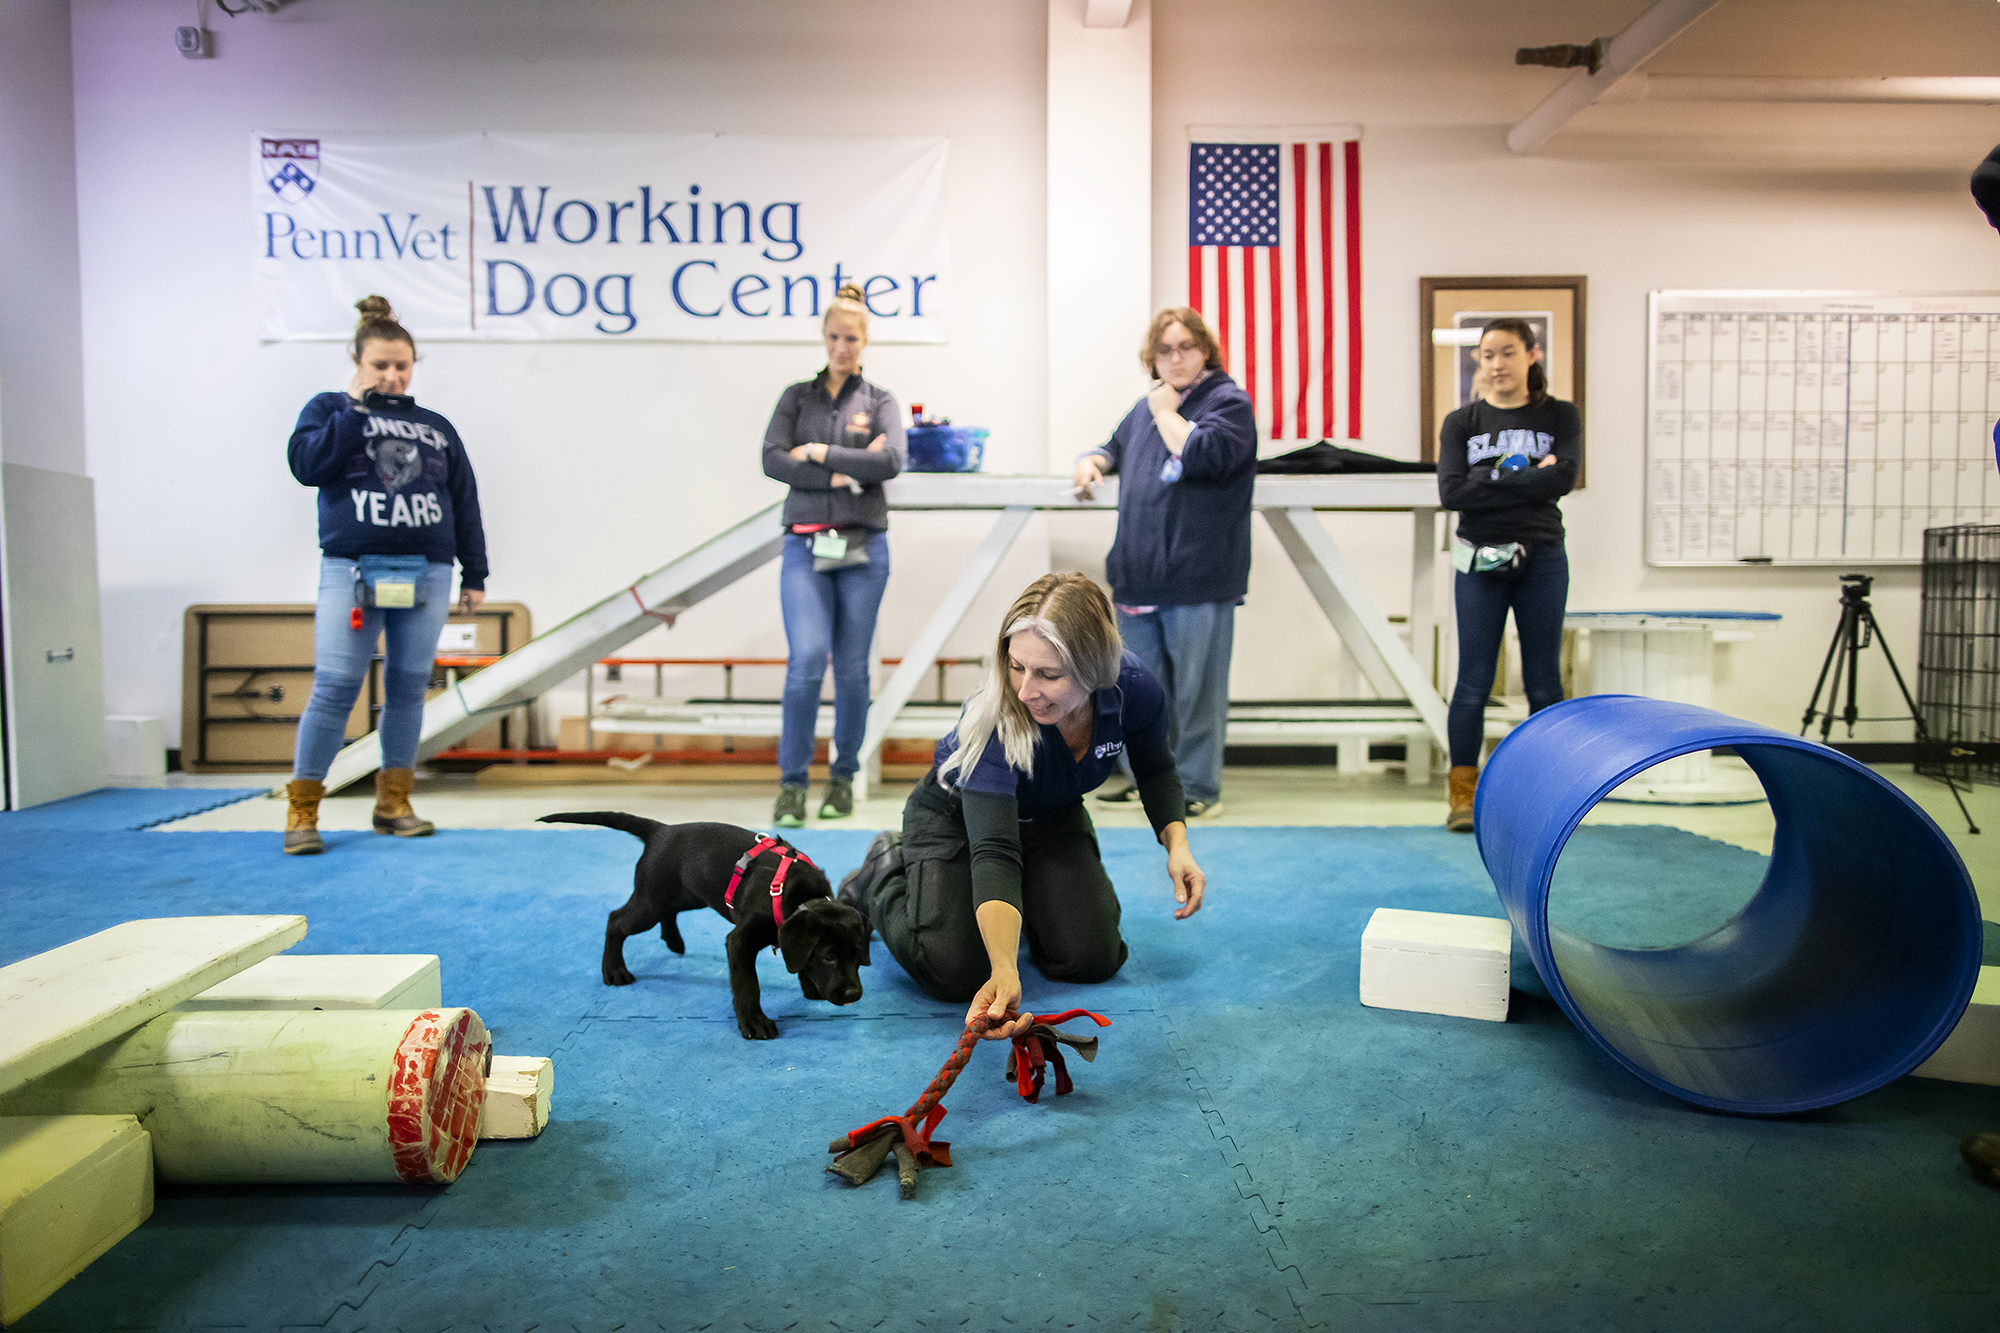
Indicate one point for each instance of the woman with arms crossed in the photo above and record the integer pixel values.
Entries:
(834, 439)
(393, 481)
(1504, 459)
(996, 844)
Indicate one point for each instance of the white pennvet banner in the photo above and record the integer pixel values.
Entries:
(599, 237)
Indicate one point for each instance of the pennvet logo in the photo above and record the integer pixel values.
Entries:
(1107, 749)
(289, 166)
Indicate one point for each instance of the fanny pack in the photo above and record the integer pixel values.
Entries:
(394, 582)
(1469, 559)
(840, 548)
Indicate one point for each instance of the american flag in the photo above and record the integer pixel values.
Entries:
(1274, 265)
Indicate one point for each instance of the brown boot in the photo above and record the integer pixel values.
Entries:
(302, 817)
(392, 805)
(1464, 782)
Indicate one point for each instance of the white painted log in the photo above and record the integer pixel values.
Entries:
(71, 1187)
(329, 981)
(1971, 1054)
(1436, 963)
(59, 1004)
(518, 1089)
(344, 1095)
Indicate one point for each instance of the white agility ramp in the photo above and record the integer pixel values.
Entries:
(1287, 502)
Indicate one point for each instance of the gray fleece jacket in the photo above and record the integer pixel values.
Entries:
(806, 415)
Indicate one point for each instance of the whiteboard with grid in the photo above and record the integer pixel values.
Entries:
(1817, 428)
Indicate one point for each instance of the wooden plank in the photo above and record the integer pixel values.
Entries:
(59, 1004)
(71, 1187)
(518, 1090)
(978, 490)
(329, 981)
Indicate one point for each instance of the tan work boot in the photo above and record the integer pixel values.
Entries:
(1464, 782)
(392, 805)
(302, 817)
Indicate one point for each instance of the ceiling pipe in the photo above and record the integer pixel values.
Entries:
(1622, 56)
(1644, 87)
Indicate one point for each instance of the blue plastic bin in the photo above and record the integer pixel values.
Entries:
(947, 448)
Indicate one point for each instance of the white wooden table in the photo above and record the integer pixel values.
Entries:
(1289, 504)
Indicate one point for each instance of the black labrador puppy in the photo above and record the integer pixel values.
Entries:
(686, 867)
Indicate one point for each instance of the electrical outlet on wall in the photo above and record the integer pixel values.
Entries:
(192, 42)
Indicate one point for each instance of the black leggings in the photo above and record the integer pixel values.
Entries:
(1069, 913)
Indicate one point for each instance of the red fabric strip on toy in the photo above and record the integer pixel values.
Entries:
(1036, 1049)
(914, 1127)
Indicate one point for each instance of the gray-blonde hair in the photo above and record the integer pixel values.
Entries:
(1074, 615)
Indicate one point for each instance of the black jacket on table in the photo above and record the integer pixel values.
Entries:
(1496, 503)
(806, 415)
(393, 479)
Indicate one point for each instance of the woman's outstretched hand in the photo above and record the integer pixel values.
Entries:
(1186, 877)
(999, 1001)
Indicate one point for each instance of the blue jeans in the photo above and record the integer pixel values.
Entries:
(1537, 590)
(1187, 649)
(827, 616)
(340, 666)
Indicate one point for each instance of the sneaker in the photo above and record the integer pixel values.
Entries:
(1204, 809)
(790, 811)
(838, 803)
(1124, 795)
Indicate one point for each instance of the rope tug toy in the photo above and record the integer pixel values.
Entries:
(863, 1151)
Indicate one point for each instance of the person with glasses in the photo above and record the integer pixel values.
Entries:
(1180, 562)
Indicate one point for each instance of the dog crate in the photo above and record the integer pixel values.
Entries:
(1958, 653)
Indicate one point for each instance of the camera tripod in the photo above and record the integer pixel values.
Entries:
(1857, 629)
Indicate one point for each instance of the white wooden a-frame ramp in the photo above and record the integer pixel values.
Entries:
(1288, 504)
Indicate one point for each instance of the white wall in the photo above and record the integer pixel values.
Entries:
(48, 582)
(1635, 197)
(596, 463)
(41, 362)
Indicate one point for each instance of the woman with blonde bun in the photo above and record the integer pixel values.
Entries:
(834, 439)
(996, 846)
(398, 503)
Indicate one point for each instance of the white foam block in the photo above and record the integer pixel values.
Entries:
(1971, 1054)
(1436, 963)
(330, 981)
(71, 1186)
(518, 1089)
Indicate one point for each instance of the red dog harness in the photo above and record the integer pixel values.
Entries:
(786, 855)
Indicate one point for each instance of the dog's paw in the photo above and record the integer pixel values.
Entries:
(622, 977)
(757, 1028)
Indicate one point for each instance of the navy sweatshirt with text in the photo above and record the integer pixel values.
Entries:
(1184, 541)
(392, 481)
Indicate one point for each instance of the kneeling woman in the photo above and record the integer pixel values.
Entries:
(996, 844)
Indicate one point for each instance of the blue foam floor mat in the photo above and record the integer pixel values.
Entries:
(120, 809)
(1252, 1149)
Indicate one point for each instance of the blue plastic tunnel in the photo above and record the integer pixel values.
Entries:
(1852, 962)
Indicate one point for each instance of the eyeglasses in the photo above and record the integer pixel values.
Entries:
(1166, 353)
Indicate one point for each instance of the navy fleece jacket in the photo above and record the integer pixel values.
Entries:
(1187, 541)
(393, 480)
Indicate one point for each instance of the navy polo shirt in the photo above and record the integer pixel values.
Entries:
(1136, 707)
